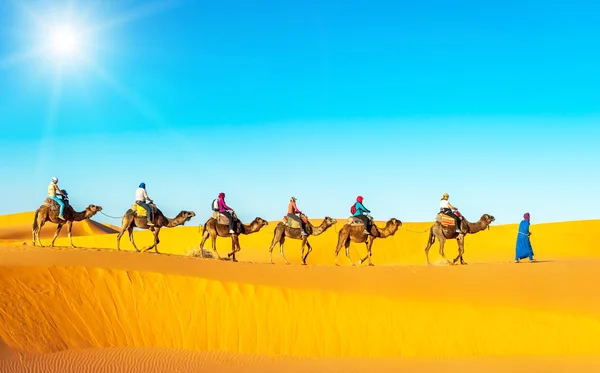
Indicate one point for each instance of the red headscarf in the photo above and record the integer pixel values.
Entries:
(359, 199)
(221, 195)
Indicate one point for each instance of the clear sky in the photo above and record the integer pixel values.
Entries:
(495, 102)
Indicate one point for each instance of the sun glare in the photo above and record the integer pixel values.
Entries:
(64, 41)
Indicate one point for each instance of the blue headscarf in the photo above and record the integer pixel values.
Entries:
(143, 185)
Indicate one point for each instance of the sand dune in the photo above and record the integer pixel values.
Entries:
(18, 227)
(110, 311)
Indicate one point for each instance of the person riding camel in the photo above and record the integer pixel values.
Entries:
(53, 190)
(294, 213)
(140, 199)
(360, 212)
(447, 208)
(226, 210)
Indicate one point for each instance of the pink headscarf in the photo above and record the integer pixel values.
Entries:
(526, 216)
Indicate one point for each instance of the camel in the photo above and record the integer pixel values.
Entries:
(355, 233)
(46, 213)
(449, 233)
(131, 220)
(213, 229)
(282, 231)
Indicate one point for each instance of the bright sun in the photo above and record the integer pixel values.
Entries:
(64, 43)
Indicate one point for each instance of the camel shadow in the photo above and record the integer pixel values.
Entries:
(209, 254)
(5, 351)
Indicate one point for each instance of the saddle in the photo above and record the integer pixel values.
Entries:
(293, 223)
(355, 221)
(445, 220)
(141, 212)
(222, 219)
(53, 205)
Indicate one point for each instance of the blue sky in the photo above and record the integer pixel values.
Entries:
(496, 103)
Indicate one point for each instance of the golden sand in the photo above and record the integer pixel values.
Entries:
(106, 310)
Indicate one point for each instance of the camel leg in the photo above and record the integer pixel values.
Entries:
(205, 236)
(277, 237)
(235, 243)
(281, 249)
(130, 231)
(69, 228)
(342, 238)
(370, 250)
(156, 241)
(232, 247)
(442, 242)
(307, 252)
(430, 241)
(58, 228)
(348, 252)
(37, 233)
(213, 242)
(461, 249)
(119, 238)
(369, 244)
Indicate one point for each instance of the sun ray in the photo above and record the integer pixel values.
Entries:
(16, 58)
(46, 149)
(138, 13)
(146, 110)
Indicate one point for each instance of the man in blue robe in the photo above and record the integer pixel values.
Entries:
(524, 249)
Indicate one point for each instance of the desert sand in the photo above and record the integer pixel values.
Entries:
(96, 309)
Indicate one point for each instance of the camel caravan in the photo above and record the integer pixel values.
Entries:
(358, 228)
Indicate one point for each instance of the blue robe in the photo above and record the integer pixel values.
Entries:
(524, 249)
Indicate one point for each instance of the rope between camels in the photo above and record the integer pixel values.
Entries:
(112, 217)
(411, 231)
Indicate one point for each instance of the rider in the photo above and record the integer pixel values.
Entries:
(447, 208)
(361, 213)
(226, 210)
(292, 211)
(140, 199)
(53, 190)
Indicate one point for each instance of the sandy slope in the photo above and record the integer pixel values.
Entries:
(149, 312)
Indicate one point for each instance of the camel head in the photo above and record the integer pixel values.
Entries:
(187, 215)
(261, 222)
(395, 222)
(94, 209)
(329, 221)
(487, 219)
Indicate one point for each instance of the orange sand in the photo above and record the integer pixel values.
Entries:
(106, 310)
